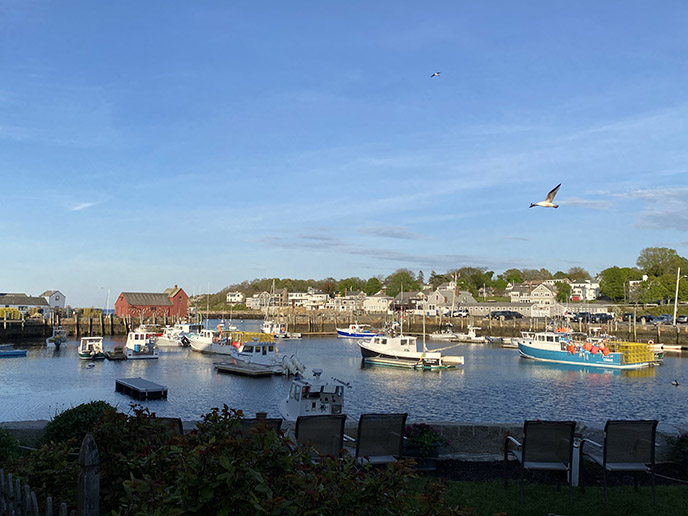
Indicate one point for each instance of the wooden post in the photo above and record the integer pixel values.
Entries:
(89, 478)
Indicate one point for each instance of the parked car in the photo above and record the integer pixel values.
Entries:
(506, 314)
(645, 318)
(457, 312)
(627, 317)
(581, 317)
(682, 319)
(601, 317)
(664, 319)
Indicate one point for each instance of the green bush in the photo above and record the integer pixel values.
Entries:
(145, 468)
(9, 447)
(74, 423)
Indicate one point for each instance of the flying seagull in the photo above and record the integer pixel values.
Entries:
(675, 383)
(436, 74)
(548, 202)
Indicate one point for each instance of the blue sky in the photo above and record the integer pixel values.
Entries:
(147, 144)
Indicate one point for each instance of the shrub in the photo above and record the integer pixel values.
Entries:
(423, 437)
(74, 423)
(9, 447)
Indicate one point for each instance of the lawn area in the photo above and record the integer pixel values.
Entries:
(490, 498)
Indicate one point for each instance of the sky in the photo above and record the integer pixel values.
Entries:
(148, 144)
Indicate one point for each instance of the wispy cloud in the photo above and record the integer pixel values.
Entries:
(586, 203)
(82, 206)
(392, 232)
(663, 208)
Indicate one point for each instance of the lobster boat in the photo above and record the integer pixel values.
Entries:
(574, 348)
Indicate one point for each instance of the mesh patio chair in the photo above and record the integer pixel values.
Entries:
(547, 446)
(270, 423)
(323, 434)
(629, 447)
(379, 439)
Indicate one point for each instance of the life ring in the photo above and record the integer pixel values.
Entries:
(650, 342)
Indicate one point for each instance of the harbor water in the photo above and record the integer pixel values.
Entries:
(495, 385)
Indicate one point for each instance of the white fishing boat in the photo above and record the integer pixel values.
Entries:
(219, 342)
(447, 333)
(356, 331)
(404, 351)
(58, 337)
(141, 344)
(91, 348)
(177, 335)
(469, 336)
(255, 355)
(310, 397)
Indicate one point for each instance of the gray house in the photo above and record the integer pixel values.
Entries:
(22, 302)
(55, 298)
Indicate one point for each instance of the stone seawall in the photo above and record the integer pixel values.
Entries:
(465, 441)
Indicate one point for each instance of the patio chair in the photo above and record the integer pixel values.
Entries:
(323, 434)
(379, 439)
(547, 446)
(629, 447)
(271, 424)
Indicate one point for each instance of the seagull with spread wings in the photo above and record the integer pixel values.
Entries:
(549, 200)
(436, 74)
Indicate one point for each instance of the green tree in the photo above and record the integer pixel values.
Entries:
(372, 286)
(512, 276)
(401, 279)
(653, 290)
(350, 284)
(437, 279)
(655, 261)
(614, 281)
(563, 291)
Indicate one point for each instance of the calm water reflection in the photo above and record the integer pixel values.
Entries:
(495, 385)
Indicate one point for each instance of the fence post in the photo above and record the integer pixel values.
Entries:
(89, 478)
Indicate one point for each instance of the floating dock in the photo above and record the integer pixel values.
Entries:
(140, 388)
(244, 369)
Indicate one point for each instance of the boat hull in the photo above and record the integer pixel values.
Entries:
(355, 334)
(611, 361)
(410, 360)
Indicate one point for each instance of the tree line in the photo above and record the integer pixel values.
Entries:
(658, 264)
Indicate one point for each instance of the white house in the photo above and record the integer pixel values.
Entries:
(22, 302)
(377, 304)
(587, 290)
(55, 298)
(235, 298)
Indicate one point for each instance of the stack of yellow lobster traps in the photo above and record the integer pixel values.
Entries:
(635, 352)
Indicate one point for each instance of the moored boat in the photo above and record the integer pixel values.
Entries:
(356, 331)
(313, 396)
(469, 336)
(404, 351)
(576, 348)
(7, 351)
(177, 335)
(264, 356)
(141, 344)
(219, 342)
(91, 348)
(58, 337)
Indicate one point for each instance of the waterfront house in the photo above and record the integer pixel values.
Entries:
(54, 298)
(22, 302)
(587, 290)
(172, 302)
(377, 304)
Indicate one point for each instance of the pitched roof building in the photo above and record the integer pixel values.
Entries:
(172, 302)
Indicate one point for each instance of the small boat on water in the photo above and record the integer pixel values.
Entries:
(255, 358)
(575, 348)
(58, 337)
(470, 336)
(404, 351)
(8, 351)
(446, 333)
(141, 344)
(278, 330)
(356, 331)
(177, 335)
(91, 348)
(314, 396)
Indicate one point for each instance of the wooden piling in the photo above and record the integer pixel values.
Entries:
(89, 478)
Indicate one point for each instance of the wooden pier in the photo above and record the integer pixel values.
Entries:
(140, 388)
(244, 369)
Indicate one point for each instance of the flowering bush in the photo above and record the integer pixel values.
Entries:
(423, 437)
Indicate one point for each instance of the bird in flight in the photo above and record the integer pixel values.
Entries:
(436, 74)
(549, 200)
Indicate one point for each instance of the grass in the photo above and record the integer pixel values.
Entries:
(490, 498)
